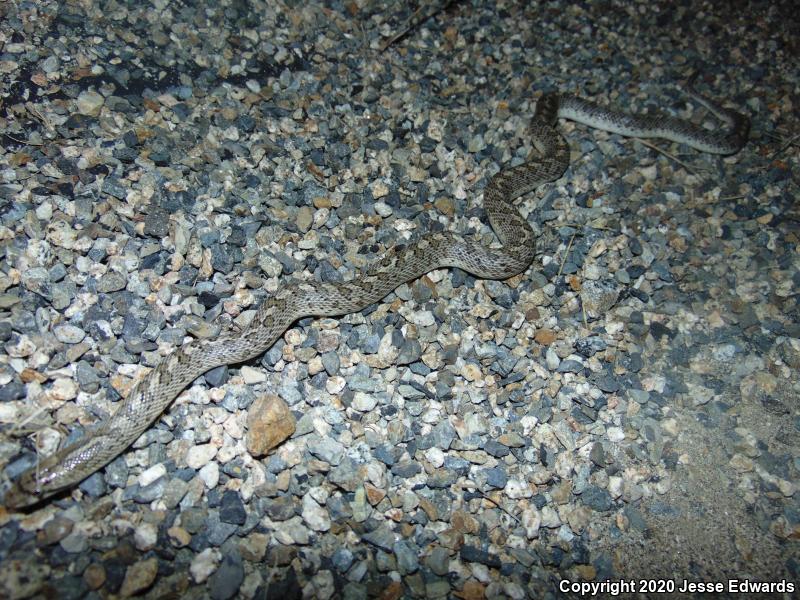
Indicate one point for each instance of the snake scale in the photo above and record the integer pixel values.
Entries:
(153, 393)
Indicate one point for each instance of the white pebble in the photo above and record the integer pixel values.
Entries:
(383, 209)
(423, 318)
(209, 474)
(481, 573)
(551, 358)
(615, 485)
(550, 518)
(387, 351)
(315, 515)
(531, 520)
(649, 173)
(198, 456)
(435, 456)
(251, 375)
(152, 474)
(89, 103)
(335, 384)
(379, 189)
(64, 389)
(204, 564)
(145, 537)
(615, 434)
(516, 489)
(23, 347)
(363, 402)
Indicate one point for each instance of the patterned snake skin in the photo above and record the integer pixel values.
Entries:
(154, 392)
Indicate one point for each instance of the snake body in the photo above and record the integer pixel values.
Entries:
(152, 394)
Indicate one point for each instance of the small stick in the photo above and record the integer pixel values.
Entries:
(791, 142)
(566, 253)
(26, 143)
(668, 155)
(18, 427)
(402, 32)
(497, 504)
(410, 24)
(585, 320)
(600, 227)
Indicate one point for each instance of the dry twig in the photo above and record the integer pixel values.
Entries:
(413, 21)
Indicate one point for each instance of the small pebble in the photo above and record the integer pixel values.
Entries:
(139, 576)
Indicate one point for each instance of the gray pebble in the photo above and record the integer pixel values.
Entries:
(194, 519)
(607, 383)
(281, 508)
(13, 390)
(407, 557)
(116, 472)
(94, 485)
(438, 561)
(228, 577)
(570, 366)
(496, 477)
(111, 281)
(154, 491)
(342, 558)
(382, 537)
(290, 393)
(174, 491)
(346, 475)
(406, 469)
(74, 542)
(327, 449)
(596, 498)
(410, 351)
(330, 361)
(69, 334)
(56, 530)
(218, 531)
(365, 384)
(111, 185)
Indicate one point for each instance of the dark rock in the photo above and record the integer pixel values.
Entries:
(281, 508)
(231, 509)
(473, 554)
(496, 449)
(406, 469)
(496, 477)
(597, 498)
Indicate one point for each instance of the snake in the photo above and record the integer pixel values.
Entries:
(155, 391)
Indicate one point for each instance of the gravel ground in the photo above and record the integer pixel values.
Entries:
(626, 409)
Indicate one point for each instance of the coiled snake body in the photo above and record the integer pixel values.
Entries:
(154, 392)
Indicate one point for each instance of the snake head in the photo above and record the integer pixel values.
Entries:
(22, 493)
(59, 472)
(37, 483)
